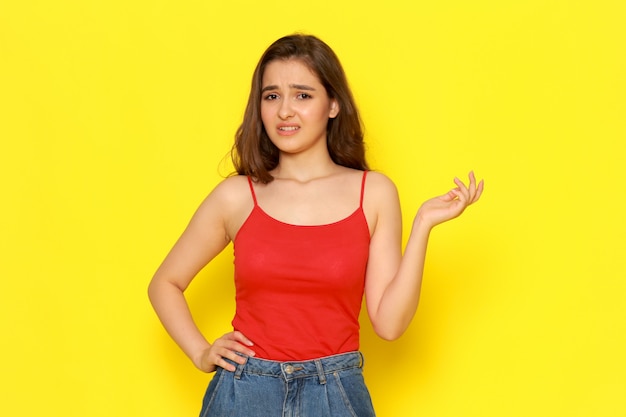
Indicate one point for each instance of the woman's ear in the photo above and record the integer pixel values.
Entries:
(334, 109)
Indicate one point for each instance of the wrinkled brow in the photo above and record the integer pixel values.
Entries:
(293, 86)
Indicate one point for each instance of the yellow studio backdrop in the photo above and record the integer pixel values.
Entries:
(116, 119)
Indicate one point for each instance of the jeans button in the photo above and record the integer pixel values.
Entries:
(288, 369)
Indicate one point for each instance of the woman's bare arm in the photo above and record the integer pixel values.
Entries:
(207, 234)
(393, 281)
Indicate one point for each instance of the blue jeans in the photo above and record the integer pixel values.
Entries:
(326, 387)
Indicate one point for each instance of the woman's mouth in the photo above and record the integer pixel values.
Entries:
(288, 130)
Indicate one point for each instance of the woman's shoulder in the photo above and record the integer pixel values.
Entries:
(232, 183)
(229, 203)
(231, 188)
(379, 184)
(380, 200)
(230, 192)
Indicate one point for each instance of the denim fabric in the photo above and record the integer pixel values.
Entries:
(327, 387)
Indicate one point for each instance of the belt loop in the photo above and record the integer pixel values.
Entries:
(239, 369)
(361, 359)
(320, 371)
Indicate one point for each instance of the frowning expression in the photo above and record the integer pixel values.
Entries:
(295, 106)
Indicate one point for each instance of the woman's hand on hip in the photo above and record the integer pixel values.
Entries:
(230, 346)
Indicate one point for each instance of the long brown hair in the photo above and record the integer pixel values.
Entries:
(254, 154)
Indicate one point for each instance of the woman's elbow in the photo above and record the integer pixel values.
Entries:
(156, 288)
(389, 333)
(152, 290)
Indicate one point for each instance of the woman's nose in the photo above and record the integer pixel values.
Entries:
(285, 111)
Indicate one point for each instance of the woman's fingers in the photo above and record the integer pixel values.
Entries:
(232, 346)
(236, 342)
(222, 355)
(472, 186)
(479, 191)
(475, 189)
(241, 338)
(461, 191)
(450, 205)
(471, 193)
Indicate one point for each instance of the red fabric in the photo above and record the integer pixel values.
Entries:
(299, 288)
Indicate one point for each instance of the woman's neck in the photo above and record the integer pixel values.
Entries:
(296, 167)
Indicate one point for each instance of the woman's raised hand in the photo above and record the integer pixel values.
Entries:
(450, 205)
(230, 346)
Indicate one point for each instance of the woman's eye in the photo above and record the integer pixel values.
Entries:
(303, 96)
(271, 97)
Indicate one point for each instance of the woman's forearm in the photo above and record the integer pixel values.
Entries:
(401, 297)
(172, 309)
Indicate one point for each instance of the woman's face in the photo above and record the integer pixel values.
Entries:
(295, 107)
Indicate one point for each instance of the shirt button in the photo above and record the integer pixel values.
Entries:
(289, 369)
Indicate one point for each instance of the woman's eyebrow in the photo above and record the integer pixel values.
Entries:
(294, 86)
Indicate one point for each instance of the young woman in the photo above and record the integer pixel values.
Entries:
(313, 231)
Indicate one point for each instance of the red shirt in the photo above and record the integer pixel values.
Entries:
(299, 288)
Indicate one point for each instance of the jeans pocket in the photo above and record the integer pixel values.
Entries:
(211, 392)
(354, 393)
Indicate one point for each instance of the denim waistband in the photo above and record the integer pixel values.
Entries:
(290, 370)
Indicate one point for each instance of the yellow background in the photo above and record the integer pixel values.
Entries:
(115, 121)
